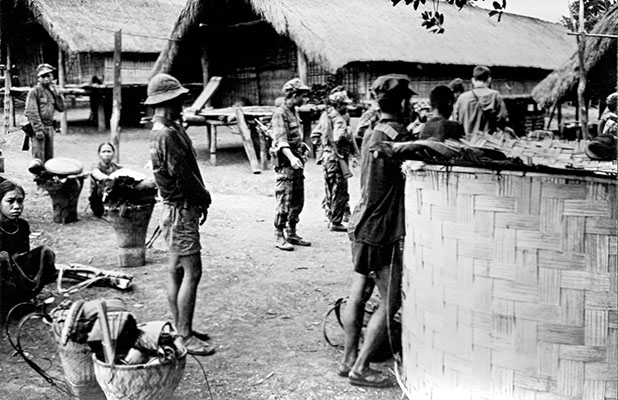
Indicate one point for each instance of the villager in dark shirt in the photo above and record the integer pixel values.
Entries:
(377, 229)
(440, 127)
(23, 272)
(185, 205)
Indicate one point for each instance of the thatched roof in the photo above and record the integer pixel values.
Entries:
(336, 33)
(563, 81)
(88, 25)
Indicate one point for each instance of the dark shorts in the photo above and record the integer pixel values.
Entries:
(367, 258)
(181, 229)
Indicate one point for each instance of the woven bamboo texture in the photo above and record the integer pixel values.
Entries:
(140, 382)
(548, 152)
(76, 360)
(131, 227)
(510, 286)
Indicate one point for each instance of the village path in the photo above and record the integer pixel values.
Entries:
(262, 307)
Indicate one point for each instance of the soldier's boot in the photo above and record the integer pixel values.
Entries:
(280, 241)
(292, 237)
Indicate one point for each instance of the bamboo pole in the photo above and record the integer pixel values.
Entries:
(64, 128)
(7, 94)
(581, 87)
(117, 92)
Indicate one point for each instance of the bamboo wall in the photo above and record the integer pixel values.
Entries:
(510, 286)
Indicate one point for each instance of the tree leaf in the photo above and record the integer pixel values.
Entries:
(493, 12)
(497, 5)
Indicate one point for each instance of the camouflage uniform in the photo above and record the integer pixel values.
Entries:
(290, 185)
(332, 136)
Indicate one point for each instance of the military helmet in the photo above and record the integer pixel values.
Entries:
(163, 87)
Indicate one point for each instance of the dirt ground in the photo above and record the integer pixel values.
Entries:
(262, 307)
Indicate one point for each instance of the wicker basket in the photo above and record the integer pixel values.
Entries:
(140, 382)
(131, 226)
(510, 286)
(76, 359)
(64, 195)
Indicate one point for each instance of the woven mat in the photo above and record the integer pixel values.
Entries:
(568, 155)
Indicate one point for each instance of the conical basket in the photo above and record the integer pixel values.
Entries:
(131, 226)
(76, 360)
(140, 382)
(64, 195)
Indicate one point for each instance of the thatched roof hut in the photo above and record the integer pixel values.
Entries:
(600, 60)
(332, 35)
(84, 31)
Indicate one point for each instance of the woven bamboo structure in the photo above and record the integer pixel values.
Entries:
(131, 226)
(76, 359)
(154, 381)
(64, 195)
(510, 286)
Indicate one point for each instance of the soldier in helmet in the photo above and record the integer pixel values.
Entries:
(41, 102)
(333, 137)
(290, 150)
(185, 205)
(376, 230)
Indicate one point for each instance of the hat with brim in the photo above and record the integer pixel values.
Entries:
(392, 86)
(64, 166)
(44, 69)
(163, 96)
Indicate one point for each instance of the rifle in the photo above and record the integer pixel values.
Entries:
(90, 275)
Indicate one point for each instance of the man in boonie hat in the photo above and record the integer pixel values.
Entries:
(41, 103)
(377, 250)
(185, 205)
(333, 138)
(291, 154)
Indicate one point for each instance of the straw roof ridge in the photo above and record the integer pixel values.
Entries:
(88, 25)
(564, 79)
(336, 33)
(471, 37)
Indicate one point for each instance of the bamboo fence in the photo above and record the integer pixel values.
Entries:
(510, 285)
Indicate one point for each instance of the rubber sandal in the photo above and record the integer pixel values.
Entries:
(343, 370)
(197, 347)
(203, 336)
(369, 378)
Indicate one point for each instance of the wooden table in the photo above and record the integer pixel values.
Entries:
(243, 117)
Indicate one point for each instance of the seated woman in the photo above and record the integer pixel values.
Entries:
(23, 272)
(99, 174)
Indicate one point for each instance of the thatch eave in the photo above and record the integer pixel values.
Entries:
(560, 83)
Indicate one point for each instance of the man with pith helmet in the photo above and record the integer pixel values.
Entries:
(185, 205)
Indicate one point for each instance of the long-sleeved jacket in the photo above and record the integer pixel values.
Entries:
(333, 136)
(40, 106)
(480, 110)
(175, 168)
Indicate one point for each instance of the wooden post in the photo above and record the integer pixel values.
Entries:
(205, 63)
(7, 94)
(247, 141)
(303, 72)
(64, 128)
(100, 111)
(581, 87)
(117, 91)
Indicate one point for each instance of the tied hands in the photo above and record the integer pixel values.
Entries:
(39, 135)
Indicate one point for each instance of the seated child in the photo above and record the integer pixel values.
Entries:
(439, 127)
(23, 272)
(99, 174)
